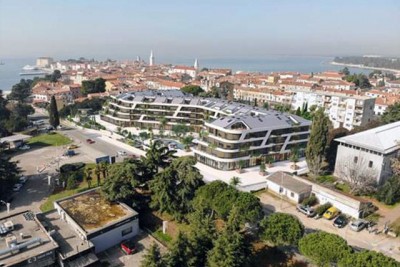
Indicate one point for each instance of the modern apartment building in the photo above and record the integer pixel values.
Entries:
(231, 134)
(344, 109)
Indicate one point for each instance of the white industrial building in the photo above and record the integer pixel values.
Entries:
(368, 154)
(94, 219)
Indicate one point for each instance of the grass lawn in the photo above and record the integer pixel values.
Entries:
(326, 179)
(50, 139)
(345, 188)
(48, 204)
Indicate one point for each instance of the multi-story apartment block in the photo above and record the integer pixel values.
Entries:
(231, 134)
(344, 110)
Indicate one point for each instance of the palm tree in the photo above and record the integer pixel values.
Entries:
(88, 175)
(97, 171)
(235, 181)
(104, 169)
(163, 123)
(158, 155)
(187, 141)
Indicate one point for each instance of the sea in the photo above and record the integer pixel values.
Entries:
(9, 71)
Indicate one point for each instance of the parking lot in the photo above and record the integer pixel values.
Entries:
(359, 240)
(116, 257)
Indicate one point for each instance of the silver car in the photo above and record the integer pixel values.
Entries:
(358, 225)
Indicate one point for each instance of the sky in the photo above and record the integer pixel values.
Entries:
(124, 29)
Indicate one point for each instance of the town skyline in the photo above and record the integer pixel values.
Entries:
(182, 30)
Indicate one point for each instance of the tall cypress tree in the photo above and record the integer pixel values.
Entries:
(54, 119)
(315, 151)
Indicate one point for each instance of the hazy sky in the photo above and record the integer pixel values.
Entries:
(123, 29)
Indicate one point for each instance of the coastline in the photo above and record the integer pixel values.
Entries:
(363, 67)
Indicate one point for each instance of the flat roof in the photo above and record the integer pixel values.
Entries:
(92, 212)
(68, 240)
(15, 137)
(26, 228)
(287, 181)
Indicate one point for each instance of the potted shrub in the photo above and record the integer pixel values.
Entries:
(262, 169)
(240, 166)
(269, 160)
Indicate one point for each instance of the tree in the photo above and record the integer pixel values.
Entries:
(331, 150)
(316, 146)
(230, 250)
(345, 71)
(202, 235)
(180, 130)
(9, 172)
(282, 229)
(362, 180)
(392, 113)
(181, 253)
(21, 91)
(55, 76)
(97, 171)
(235, 181)
(54, 119)
(158, 155)
(187, 141)
(153, 257)
(104, 169)
(4, 115)
(389, 193)
(367, 258)
(143, 135)
(294, 156)
(16, 123)
(175, 187)
(93, 86)
(119, 184)
(192, 89)
(88, 175)
(324, 248)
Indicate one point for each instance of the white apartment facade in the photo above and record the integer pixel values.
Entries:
(344, 110)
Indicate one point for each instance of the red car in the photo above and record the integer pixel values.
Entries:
(89, 141)
(128, 247)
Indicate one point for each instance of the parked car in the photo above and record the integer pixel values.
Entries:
(331, 213)
(122, 153)
(17, 187)
(307, 210)
(24, 147)
(73, 147)
(23, 179)
(69, 153)
(90, 141)
(358, 225)
(340, 221)
(128, 247)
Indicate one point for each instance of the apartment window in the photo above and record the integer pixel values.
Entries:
(355, 159)
(126, 231)
(370, 163)
(291, 194)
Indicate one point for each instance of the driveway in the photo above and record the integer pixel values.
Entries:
(116, 257)
(363, 239)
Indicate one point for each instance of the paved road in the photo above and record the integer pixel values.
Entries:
(363, 239)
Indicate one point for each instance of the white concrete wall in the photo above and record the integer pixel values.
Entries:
(345, 162)
(286, 193)
(114, 236)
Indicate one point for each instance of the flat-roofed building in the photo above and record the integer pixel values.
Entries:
(25, 242)
(368, 154)
(93, 218)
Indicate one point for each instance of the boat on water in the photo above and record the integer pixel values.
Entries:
(29, 67)
(32, 73)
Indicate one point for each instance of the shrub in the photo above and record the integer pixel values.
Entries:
(322, 208)
(310, 201)
(71, 182)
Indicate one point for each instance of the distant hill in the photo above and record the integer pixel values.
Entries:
(370, 61)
